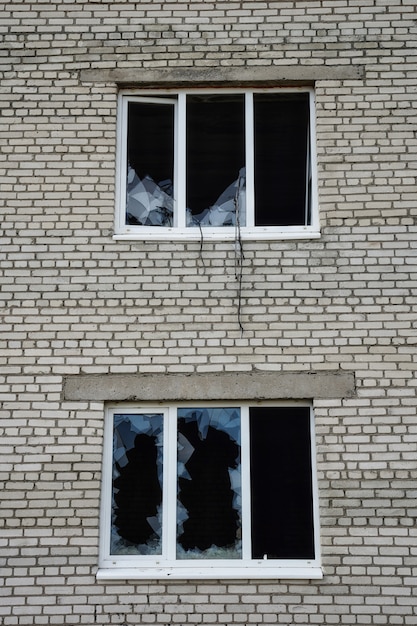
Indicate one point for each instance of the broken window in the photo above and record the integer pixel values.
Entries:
(201, 162)
(204, 486)
(150, 174)
(137, 484)
(209, 484)
(215, 159)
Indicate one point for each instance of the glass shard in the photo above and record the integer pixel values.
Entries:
(147, 203)
(228, 210)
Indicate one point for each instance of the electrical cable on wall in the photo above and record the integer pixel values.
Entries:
(239, 255)
(201, 243)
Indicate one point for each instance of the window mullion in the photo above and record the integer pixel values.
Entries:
(308, 179)
(107, 504)
(180, 164)
(246, 495)
(250, 160)
(313, 163)
(122, 135)
(315, 489)
(170, 484)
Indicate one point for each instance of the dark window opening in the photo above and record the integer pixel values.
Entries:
(281, 483)
(281, 159)
(215, 148)
(150, 168)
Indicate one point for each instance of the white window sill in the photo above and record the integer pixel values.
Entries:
(178, 234)
(187, 573)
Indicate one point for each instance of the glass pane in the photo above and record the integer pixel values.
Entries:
(281, 483)
(216, 178)
(137, 484)
(150, 168)
(282, 159)
(209, 524)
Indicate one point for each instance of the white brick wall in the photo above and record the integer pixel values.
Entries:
(74, 300)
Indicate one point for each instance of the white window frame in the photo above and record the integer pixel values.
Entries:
(180, 230)
(166, 566)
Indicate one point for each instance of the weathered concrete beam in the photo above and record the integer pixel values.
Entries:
(195, 387)
(180, 77)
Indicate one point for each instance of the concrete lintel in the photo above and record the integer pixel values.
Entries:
(196, 387)
(183, 77)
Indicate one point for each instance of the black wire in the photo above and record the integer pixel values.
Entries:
(201, 244)
(239, 257)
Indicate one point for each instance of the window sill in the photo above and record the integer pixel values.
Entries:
(177, 234)
(218, 573)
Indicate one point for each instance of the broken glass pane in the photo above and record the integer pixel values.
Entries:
(148, 204)
(150, 156)
(209, 524)
(137, 484)
(228, 210)
(215, 160)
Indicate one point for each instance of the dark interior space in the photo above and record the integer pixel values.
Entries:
(215, 146)
(137, 492)
(150, 146)
(207, 495)
(281, 483)
(281, 147)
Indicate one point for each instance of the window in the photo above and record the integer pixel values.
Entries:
(209, 490)
(209, 164)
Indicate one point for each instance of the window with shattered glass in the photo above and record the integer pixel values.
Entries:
(209, 163)
(209, 511)
(137, 484)
(208, 486)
